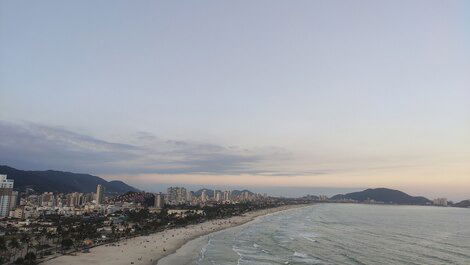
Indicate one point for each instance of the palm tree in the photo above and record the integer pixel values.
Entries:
(3, 249)
(30, 258)
(67, 243)
(37, 238)
(14, 244)
(50, 236)
(25, 240)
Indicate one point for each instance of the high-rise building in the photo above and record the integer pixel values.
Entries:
(18, 213)
(189, 196)
(204, 196)
(74, 199)
(245, 196)
(159, 201)
(6, 190)
(227, 195)
(182, 195)
(99, 194)
(87, 197)
(14, 200)
(440, 202)
(47, 199)
(177, 195)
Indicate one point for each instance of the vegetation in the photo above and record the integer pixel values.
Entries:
(55, 233)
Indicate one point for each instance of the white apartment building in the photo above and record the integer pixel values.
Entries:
(99, 194)
(159, 201)
(440, 202)
(176, 195)
(6, 190)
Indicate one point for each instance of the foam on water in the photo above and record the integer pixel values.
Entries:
(300, 254)
(203, 251)
(346, 234)
(309, 236)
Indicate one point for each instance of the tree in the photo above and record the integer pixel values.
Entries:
(67, 243)
(25, 239)
(14, 244)
(3, 250)
(30, 258)
(50, 237)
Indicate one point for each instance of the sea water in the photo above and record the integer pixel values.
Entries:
(344, 234)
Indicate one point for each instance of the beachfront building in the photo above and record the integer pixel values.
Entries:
(218, 196)
(440, 202)
(14, 200)
(99, 194)
(245, 196)
(227, 195)
(189, 196)
(204, 196)
(181, 213)
(6, 190)
(177, 195)
(159, 201)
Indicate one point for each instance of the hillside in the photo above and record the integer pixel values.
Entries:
(464, 204)
(59, 181)
(382, 195)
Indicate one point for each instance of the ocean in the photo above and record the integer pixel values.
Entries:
(343, 234)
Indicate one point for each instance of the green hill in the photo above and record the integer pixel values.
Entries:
(382, 195)
(59, 181)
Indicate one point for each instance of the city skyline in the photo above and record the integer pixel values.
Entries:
(275, 95)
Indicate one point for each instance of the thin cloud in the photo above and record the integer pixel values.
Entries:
(36, 146)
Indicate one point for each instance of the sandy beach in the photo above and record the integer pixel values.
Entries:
(147, 250)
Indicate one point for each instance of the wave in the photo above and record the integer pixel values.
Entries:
(309, 236)
(304, 258)
(300, 254)
(202, 253)
(409, 239)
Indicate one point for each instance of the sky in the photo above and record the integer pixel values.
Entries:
(281, 96)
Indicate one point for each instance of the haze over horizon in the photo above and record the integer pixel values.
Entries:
(264, 94)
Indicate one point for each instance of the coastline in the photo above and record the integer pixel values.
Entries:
(149, 249)
(185, 253)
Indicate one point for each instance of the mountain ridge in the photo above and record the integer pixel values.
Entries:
(61, 181)
(463, 204)
(383, 195)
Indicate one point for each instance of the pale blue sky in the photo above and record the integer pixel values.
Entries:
(342, 93)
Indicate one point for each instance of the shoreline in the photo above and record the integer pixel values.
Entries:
(150, 249)
(185, 253)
